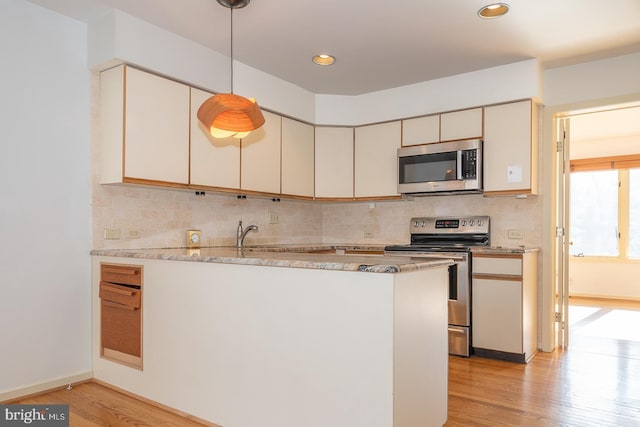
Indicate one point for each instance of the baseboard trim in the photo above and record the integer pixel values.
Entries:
(154, 403)
(36, 389)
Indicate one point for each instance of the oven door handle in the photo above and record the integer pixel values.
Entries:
(426, 255)
(454, 257)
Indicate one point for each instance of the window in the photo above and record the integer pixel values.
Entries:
(605, 207)
(634, 213)
(594, 213)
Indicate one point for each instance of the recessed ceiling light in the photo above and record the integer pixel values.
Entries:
(493, 10)
(324, 59)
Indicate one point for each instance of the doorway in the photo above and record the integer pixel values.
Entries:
(598, 252)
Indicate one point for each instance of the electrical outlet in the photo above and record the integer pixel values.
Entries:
(368, 233)
(134, 234)
(515, 234)
(112, 234)
(273, 217)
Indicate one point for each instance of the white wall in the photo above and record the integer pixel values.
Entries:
(600, 279)
(119, 37)
(494, 85)
(45, 216)
(592, 81)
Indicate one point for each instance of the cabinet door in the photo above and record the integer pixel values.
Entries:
(510, 148)
(497, 315)
(334, 162)
(156, 130)
(465, 124)
(260, 157)
(376, 160)
(215, 162)
(297, 158)
(421, 130)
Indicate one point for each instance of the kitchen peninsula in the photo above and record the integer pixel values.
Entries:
(287, 336)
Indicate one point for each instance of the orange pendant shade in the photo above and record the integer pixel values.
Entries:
(231, 113)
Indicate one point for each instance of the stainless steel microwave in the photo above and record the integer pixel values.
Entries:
(441, 168)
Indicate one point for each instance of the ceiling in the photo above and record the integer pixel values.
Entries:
(386, 44)
(606, 125)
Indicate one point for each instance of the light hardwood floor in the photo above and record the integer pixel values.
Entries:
(596, 382)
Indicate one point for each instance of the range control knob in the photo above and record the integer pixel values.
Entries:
(464, 222)
(423, 224)
(471, 222)
(480, 222)
(416, 224)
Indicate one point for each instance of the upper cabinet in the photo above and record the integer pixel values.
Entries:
(260, 157)
(376, 160)
(334, 162)
(150, 135)
(511, 148)
(297, 158)
(145, 128)
(214, 162)
(456, 125)
(463, 124)
(421, 130)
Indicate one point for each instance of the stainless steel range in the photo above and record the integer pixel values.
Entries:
(450, 237)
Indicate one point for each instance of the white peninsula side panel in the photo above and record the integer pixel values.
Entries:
(243, 346)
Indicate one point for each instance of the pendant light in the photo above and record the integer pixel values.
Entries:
(227, 114)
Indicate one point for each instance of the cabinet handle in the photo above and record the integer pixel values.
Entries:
(117, 289)
(120, 270)
(119, 306)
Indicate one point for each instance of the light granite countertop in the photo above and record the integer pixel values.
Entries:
(503, 249)
(323, 257)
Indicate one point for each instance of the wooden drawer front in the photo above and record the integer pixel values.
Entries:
(124, 274)
(510, 265)
(112, 294)
(121, 329)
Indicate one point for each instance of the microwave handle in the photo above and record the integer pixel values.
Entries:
(459, 165)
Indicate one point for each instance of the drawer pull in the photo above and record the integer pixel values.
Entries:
(119, 306)
(120, 270)
(117, 289)
(120, 295)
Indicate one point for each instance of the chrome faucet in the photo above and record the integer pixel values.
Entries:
(243, 233)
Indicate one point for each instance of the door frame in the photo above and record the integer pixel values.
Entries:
(550, 338)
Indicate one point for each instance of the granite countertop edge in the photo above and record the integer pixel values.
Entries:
(291, 256)
(504, 249)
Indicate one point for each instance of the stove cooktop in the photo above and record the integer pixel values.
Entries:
(441, 234)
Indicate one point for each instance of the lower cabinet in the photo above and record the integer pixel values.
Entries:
(121, 314)
(504, 306)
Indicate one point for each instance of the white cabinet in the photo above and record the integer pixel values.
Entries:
(214, 162)
(463, 124)
(421, 130)
(504, 306)
(511, 149)
(144, 121)
(297, 158)
(376, 160)
(260, 157)
(334, 162)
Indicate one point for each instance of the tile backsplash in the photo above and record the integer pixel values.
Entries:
(150, 217)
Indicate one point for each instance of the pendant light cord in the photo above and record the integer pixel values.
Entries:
(231, 48)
